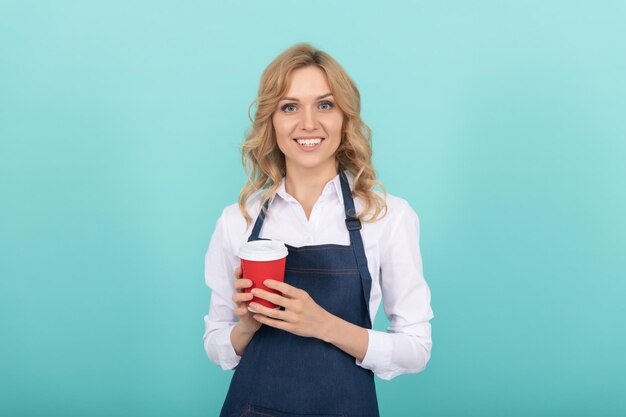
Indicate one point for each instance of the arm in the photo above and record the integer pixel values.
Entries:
(222, 338)
(240, 338)
(347, 336)
(405, 347)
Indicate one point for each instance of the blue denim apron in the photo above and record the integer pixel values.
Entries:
(285, 375)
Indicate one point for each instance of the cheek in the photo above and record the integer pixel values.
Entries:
(279, 130)
(334, 130)
(336, 124)
(280, 142)
(282, 127)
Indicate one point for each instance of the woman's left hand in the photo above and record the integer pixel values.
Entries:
(302, 315)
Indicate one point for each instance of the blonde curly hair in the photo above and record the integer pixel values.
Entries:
(264, 162)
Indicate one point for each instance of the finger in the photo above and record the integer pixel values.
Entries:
(274, 298)
(287, 290)
(238, 272)
(245, 296)
(241, 311)
(242, 283)
(269, 312)
(241, 297)
(273, 323)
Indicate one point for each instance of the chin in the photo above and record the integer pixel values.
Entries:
(309, 164)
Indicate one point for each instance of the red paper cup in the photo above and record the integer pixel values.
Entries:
(261, 260)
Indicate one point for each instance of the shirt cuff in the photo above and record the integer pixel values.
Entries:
(221, 350)
(231, 359)
(379, 349)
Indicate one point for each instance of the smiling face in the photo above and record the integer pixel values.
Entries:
(308, 123)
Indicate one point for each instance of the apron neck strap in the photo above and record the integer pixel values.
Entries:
(259, 221)
(352, 223)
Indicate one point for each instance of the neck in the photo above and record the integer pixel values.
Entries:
(306, 185)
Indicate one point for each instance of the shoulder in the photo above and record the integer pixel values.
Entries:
(397, 208)
(399, 229)
(394, 202)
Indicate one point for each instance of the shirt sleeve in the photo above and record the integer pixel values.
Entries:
(406, 345)
(219, 268)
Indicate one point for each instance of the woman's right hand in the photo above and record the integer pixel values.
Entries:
(241, 298)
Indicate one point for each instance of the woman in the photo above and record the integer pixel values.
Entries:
(308, 157)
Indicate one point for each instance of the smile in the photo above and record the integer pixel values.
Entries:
(309, 141)
(309, 144)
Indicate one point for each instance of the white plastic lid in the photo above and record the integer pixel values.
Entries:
(263, 250)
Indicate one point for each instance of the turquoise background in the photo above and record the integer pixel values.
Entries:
(502, 123)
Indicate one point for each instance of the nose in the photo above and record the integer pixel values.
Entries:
(309, 119)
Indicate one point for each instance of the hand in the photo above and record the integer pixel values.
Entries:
(240, 298)
(302, 315)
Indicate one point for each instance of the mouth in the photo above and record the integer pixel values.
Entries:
(309, 143)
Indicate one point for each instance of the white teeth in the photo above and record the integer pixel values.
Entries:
(309, 142)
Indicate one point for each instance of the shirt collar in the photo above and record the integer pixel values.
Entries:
(332, 188)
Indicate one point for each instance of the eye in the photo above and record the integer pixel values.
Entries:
(285, 106)
(329, 103)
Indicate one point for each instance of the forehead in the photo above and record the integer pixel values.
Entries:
(308, 82)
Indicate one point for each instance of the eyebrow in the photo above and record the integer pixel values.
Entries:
(295, 99)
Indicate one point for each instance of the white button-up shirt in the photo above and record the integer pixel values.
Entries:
(393, 259)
